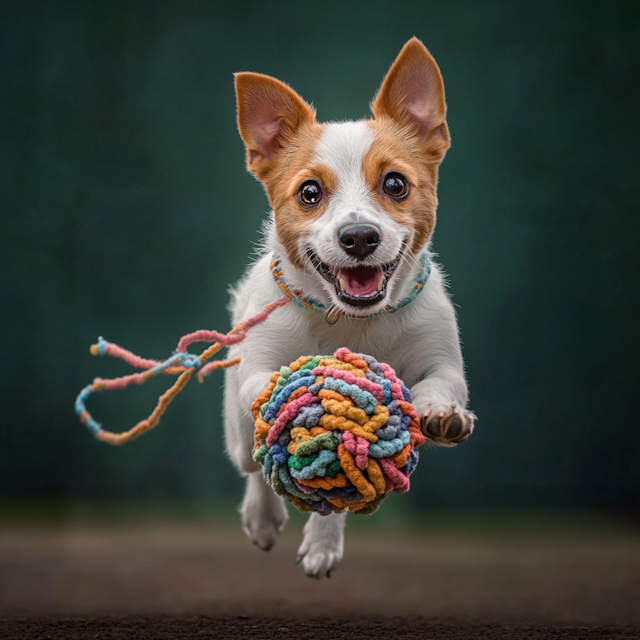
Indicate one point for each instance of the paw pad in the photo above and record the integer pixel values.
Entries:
(447, 426)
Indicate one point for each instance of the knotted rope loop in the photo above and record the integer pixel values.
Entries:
(181, 363)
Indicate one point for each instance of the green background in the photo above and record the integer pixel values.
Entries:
(126, 211)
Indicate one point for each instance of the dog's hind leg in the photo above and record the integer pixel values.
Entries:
(322, 545)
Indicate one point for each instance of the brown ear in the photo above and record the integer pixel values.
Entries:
(268, 112)
(413, 93)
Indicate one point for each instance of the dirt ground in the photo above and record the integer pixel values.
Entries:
(204, 581)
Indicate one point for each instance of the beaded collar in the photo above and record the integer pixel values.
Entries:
(332, 313)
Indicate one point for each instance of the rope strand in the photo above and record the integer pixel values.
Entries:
(182, 364)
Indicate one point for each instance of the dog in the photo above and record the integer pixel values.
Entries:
(353, 210)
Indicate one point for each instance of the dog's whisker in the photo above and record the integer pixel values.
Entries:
(408, 258)
(309, 257)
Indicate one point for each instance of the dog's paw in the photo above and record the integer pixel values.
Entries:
(319, 557)
(322, 545)
(447, 424)
(264, 517)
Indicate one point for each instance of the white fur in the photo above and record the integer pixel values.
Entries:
(420, 341)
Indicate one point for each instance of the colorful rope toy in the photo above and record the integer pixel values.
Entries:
(182, 363)
(332, 433)
(336, 433)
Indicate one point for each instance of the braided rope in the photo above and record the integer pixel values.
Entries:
(182, 364)
(309, 302)
(336, 433)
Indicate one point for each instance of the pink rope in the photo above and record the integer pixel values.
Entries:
(357, 447)
(122, 382)
(396, 387)
(400, 481)
(130, 358)
(233, 337)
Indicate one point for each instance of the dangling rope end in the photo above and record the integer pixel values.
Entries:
(98, 348)
(181, 363)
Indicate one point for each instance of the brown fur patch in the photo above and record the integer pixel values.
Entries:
(294, 165)
(396, 147)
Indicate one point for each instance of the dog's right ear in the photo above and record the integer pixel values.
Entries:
(269, 111)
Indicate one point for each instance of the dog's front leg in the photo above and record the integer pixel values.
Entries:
(430, 360)
(241, 388)
(322, 545)
(262, 510)
(264, 514)
(266, 349)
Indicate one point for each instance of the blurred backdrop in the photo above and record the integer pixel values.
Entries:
(126, 211)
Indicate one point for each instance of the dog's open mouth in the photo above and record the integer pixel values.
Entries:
(361, 285)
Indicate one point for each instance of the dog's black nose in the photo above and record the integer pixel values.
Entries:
(359, 240)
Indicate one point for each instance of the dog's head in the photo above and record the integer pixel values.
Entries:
(353, 201)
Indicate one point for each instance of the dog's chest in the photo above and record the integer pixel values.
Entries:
(376, 336)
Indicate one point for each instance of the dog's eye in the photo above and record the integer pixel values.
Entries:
(395, 185)
(310, 192)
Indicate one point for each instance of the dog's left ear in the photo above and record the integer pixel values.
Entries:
(413, 93)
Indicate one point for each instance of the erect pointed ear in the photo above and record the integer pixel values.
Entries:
(268, 112)
(413, 93)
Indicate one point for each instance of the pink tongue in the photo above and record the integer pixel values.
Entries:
(364, 284)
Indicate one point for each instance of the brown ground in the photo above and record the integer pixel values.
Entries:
(201, 581)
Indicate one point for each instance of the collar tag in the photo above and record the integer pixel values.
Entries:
(333, 315)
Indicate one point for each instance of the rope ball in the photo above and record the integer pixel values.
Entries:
(336, 433)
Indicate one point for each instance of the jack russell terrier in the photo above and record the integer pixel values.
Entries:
(353, 211)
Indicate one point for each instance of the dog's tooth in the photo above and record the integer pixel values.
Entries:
(343, 285)
(381, 283)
